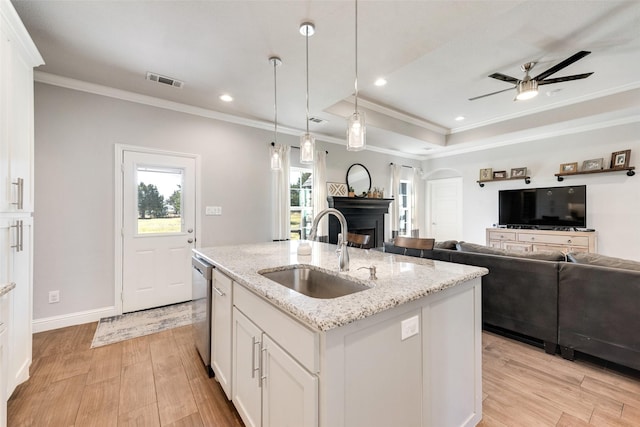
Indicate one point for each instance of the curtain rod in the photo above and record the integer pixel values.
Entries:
(404, 166)
(273, 144)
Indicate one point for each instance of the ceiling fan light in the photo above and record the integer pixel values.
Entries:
(527, 89)
(307, 147)
(356, 132)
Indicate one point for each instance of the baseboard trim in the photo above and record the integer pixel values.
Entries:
(72, 319)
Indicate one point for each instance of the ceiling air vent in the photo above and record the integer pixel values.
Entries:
(170, 81)
(317, 120)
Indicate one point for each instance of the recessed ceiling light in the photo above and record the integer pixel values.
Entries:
(226, 97)
(380, 81)
(459, 118)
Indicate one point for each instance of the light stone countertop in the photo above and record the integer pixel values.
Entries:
(401, 279)
(5, 289)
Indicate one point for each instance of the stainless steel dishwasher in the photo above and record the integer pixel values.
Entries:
(202, 282)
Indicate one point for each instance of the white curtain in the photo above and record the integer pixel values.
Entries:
(416, 202)
(281, 229)
(395, 195)
(320, 193)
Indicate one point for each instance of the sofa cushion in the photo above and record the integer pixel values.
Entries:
(603, 261)
(479, 249)
(447, 244)
(542, 255)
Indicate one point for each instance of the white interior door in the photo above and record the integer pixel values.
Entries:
(444, 209)
(158, 221)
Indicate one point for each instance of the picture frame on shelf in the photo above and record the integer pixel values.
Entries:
(486, 174)
(620, 159)
(337, 189)
(569, 167)
(500, 175)
(593, 164)
(518, 172)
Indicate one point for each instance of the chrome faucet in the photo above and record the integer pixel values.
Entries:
(343, 255)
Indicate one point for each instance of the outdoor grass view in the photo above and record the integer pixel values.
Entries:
(300, 182)
(159, 203)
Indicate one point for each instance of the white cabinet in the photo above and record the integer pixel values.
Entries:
(221, 328)
(18, 56)
(5, 301)
(15, 250)
(270, 387)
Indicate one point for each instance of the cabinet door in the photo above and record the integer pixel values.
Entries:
(289, 392)
(247, 396)
(17, 129)
(21, 331)
(221, 330)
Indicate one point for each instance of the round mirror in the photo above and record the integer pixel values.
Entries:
(359, 179)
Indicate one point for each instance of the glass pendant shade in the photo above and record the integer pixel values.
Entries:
(356, 132)
(307, 148)
(276, 157)
(527, 89)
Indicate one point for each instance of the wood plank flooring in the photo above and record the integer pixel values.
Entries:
(159, 380)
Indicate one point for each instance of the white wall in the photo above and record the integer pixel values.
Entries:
(613, 199)
(75, 133)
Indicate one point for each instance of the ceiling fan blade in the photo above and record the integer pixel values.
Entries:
(489, 94)
(504, 78)
(561, 65)
(564, 79)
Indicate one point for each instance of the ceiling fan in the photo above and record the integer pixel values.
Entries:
(527, 88)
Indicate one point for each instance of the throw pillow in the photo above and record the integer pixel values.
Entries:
(480, 249)
(447, 244)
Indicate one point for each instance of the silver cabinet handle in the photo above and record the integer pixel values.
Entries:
(253, 357)
(218, 291)
(20, 203)
(19, 246)
(190, 241)
(263, 375)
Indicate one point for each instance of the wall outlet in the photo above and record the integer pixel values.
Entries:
(213, 210)
(54, 296)
(410, 327)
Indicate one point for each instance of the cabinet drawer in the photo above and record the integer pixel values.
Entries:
(298, 340)
(222, 282)
(502, 235)
(555, 240)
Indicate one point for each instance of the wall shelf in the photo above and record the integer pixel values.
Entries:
(527, 180)
(630, 172)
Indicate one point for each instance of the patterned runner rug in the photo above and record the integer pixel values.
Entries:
(132, 325)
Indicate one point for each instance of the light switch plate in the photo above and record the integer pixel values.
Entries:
(410, 327)
(213, 210)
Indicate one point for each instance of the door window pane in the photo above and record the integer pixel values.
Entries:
(301, 200)
(159, 200)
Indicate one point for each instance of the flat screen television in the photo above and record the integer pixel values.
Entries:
(551, 207)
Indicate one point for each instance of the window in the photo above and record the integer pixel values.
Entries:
(404, 228)
(301, 215)
(159, 200)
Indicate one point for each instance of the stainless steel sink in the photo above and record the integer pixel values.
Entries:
(313, 283)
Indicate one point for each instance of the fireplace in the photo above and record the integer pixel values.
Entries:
(363, 215)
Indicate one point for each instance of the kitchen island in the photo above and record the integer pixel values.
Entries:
(405, 351)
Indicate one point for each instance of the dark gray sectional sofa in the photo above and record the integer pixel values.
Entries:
(580, 302)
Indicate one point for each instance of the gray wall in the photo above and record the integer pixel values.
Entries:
(75, 134)
(613, 199)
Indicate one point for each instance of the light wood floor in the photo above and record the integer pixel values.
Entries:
(159, 380)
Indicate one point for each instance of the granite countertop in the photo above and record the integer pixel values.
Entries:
(4, 289)
(401, 279)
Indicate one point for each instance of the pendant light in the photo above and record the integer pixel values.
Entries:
(356, 131)
(276, 149)
(307, 141)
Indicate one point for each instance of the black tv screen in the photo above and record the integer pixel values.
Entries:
(544, 207)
